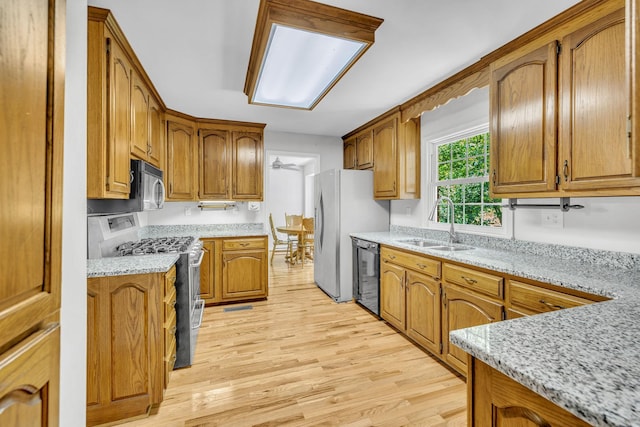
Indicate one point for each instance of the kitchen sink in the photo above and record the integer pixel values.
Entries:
(451, 248)
(419, 242)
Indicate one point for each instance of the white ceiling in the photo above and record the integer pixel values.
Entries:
(196, 53)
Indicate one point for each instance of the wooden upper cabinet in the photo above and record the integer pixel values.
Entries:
(139, 117)
(119, 129)
(364, 150)
(182, 165)
(349, 160)
(230, 161)
(392, 149)
(523, 122)
(582, 147)
(109, 112)
(156, 150)
(215, 164)
(247, 166)
(32, 36)
(385, 148)
(596, 147)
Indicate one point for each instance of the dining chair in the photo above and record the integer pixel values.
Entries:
(293, 221)
(308, 242)
(278, 243)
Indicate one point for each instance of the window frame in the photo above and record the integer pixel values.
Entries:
(507, 216)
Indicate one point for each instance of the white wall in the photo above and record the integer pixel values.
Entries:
(327, 148)
(74, 247)
(286, 194)
(608, 223)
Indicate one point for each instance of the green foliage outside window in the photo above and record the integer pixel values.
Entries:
(463, 176)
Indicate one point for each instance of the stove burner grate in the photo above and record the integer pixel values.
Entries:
(159, 245)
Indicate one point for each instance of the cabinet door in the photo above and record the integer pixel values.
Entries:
(139, 117)
(385, 168)
(155, 154)
(523, 123)
(244, 274)
(215, 164)
(125, 371)
(364, 150)
(463, 309)
(29, 380)
(498, 401)
(247, 166)
(119, 125)
(392, 294)
(31, 145)
(596, 148)
(349, 159)
(423, 310)
(208, 272)
(181, 162)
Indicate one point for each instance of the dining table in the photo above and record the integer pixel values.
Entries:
(299, 231)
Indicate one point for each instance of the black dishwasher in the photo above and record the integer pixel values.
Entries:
(366, 274)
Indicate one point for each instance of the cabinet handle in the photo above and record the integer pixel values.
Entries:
(421, 266)
(392, 256)
(173, 303)
(444, 299)
(149, 149)
(244, 244)
(469, 280)
(494, 177)
(565, 170)
(552, 306)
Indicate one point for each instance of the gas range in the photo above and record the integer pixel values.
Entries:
(158, 245)
(118, 236)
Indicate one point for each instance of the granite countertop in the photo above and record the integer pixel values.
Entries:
(118, 266)
(584, 359)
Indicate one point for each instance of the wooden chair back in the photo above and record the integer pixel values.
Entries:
(293, 220)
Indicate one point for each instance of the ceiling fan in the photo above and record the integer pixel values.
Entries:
(277, 164)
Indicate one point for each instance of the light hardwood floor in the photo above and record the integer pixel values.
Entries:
(299, 359)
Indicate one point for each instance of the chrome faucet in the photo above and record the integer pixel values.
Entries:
(432, 216)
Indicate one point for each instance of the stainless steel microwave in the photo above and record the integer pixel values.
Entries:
(147, 193)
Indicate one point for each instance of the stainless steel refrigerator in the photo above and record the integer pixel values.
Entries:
(343, 204)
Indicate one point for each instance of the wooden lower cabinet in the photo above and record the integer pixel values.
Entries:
(423, 311)
(126, 350)
(234, 269)
(496, 400)
(410, 300)
(29, 380)
(463, 309)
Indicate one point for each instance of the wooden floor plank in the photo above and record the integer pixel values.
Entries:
(300, 359)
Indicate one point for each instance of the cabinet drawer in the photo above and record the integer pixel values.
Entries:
(478, 281)
(541, 300)
(170, 331)
(257, 243)
(414, 262)
(170, 303)
(170, 280)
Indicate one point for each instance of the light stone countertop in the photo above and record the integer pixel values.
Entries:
(584, 359)
(118, 266)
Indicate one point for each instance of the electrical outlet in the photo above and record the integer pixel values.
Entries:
(187, 211)
(553, 219)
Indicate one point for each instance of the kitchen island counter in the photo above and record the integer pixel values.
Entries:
(584, 359)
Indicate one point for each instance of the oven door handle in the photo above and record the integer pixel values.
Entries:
(199, 303)
(197, 263)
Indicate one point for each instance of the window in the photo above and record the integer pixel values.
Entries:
(461, 165)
